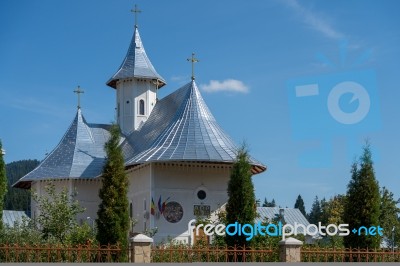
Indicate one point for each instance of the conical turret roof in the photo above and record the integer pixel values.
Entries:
(136, 64)
(80, 154)
(182, 128)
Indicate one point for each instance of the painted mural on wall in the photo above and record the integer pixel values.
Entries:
(172, 211)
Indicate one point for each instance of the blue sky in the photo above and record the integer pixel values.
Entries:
(252, 55)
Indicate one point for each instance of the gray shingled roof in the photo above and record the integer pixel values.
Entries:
(80, 154)
(182, 128)
(290, 215)
(136, 64)
(12, 217)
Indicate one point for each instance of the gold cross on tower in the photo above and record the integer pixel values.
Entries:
(193, 60)
(136, 11)
(79, 91)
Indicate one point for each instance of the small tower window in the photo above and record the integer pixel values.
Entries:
(141, 107)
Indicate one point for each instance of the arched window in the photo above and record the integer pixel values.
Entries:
(141, 107)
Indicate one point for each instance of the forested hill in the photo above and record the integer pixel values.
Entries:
(16, 198)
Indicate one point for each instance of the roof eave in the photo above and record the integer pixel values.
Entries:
(255, 168)
(113, 81)
(22, 184)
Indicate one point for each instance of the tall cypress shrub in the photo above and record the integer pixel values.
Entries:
(113, 216)
(241, 206)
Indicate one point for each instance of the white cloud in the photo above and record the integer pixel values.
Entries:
(231, 85)
(314, 21)
(179, 78)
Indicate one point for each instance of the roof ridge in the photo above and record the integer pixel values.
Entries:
(157, 140)
(81, 128)
(79, 154)
(49, 155)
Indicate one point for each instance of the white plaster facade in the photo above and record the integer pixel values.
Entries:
(86, 192)
(177, 182)
(174, 182)
(130, 92)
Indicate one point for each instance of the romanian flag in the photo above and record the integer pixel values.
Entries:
(160, 206)
(153, 207)
(164, 203)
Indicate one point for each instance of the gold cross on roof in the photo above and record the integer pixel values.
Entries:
(193, 60)
(136, 11)
(79, 91)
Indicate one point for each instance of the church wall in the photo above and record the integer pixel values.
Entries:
(175, 185)
(179, 184)
(139, 196)
(39, 187)
(87, 195)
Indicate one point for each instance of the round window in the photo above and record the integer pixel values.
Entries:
(201, 194)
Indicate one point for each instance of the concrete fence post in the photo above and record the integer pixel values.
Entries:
(141, 249)
(289, 250)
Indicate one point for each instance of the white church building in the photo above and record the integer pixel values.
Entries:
(177, 158)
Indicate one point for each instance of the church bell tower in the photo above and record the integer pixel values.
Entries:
(136, 83)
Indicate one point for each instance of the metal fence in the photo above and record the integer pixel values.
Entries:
(185, 253)
(48, 253)
(313, 254)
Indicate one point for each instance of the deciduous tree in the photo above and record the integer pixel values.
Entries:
(389, 217)
(57, 213)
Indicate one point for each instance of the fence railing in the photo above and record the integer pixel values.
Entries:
(213, 254)
(47, 253)
(184, 253)
(313, 254)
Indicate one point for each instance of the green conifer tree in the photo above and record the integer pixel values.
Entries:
(113, 216)
(299, 204)
(362, 207)
(267, 203)
(315, 213)
(241, 206)
(3, 184)
(324, 217)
